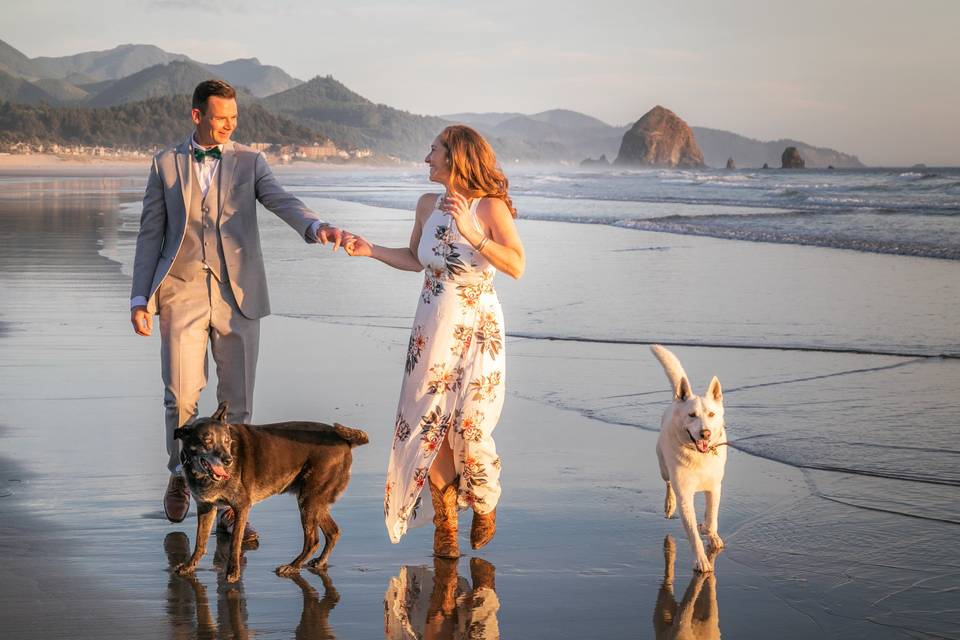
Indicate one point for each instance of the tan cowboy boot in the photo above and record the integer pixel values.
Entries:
(482, 529)
(445, 520)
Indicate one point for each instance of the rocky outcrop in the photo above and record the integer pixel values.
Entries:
(791, 159)
(599, 162)
(660, 139)
(731, 164)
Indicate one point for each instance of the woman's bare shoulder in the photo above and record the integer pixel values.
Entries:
(426, 204)
(492, 208)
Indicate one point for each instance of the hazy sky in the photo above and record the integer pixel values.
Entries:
(876, 78)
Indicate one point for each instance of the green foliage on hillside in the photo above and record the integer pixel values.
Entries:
(327, 106)
(153, 123)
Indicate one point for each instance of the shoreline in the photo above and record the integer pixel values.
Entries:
(582, 508)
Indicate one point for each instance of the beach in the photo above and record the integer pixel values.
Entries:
(839, 370)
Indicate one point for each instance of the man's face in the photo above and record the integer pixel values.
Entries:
(218, 123)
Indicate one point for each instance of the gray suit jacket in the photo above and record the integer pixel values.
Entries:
(245, 178)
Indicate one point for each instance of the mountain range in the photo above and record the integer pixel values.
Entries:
(133, 73)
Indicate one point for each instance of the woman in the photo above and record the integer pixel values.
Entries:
(453, 385)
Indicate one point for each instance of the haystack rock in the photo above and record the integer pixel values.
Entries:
(660, 139)
(599, 162)
(791, 159)
(731, 164)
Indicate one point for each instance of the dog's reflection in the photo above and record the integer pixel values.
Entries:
(440, 604)
(697, 616)
(189, 609)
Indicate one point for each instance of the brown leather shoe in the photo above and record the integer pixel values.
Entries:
(482, 529)
(225, 525)
(445, 520)
(176, 501)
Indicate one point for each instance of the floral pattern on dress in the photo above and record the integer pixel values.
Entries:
(442, 379)
(446, 248)
(415, 347)
(485, 387)
(462, 337)
(432, 284)
(488, 334)
(468, 425)
(401, 430)
(434, 428)
(452, 386)
(473, 474)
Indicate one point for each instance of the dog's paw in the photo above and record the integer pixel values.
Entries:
(287, 570)
(703, 565)
(317, 565)
(184, 569)
(716, 542)
(233, 575)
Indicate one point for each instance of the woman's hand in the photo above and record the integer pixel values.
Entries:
(357, 246)
(458, 207)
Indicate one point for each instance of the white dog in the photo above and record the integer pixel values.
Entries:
(691, 454)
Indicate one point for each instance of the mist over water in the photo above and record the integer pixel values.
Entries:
(898, 211)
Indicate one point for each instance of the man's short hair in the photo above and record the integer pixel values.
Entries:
(209, 88)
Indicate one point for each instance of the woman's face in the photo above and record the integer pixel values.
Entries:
(439, 162)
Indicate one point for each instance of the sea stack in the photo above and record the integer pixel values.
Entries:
(731, 164)
(599, 162)
(660, 139)
(791, 159)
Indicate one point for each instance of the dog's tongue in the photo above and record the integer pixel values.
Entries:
(219, 471)
(702, 446)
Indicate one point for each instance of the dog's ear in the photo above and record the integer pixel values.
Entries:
(714, 391)
(683, 391)
(180, 433)
(220, 415)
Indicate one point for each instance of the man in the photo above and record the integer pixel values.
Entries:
(198, 266)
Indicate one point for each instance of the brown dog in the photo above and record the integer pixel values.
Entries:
(238, 465)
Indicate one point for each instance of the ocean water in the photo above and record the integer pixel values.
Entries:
(839, 362)
(899, 211)
(844, 363)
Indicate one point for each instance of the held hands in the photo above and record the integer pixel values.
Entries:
(141, 320)
(358, 246)
(331, 234)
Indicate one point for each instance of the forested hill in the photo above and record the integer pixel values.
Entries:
(153, 123)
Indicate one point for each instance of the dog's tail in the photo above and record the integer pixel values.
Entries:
(354, 437)
(679, 382)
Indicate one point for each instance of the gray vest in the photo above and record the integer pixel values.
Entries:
(201, 247)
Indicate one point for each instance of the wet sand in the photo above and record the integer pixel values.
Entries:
(580, 548)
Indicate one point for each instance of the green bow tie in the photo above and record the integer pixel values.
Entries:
(200, 154)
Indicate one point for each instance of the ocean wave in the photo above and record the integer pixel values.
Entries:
(786, 235)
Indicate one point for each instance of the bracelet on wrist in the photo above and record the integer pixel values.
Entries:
(483, 243)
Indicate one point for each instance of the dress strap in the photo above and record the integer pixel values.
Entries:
(473, 212)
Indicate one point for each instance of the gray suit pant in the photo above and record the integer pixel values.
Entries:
(194, 314)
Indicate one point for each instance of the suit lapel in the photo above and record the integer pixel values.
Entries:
(228, 167)
(185, 173)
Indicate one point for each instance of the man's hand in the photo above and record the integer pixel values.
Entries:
(141, 320)
(330, 234)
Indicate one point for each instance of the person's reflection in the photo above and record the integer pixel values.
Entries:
(697, 615)
(189, 609)
(440, 604)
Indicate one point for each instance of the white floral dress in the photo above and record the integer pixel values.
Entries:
(453, 383)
